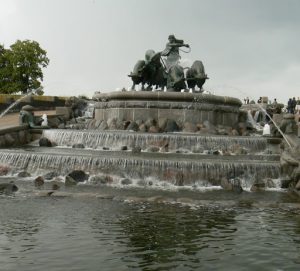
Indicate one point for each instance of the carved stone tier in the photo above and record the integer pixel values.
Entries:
(181, 107)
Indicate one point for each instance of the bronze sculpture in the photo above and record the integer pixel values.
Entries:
(162, 70)
(27, 117)
(172, 51)
(196, 76)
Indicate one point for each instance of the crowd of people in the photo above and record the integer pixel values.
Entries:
(293, 104)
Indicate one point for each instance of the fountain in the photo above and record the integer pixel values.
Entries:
(37, 91)
(145, 185)
(178, 158)
(181, 138)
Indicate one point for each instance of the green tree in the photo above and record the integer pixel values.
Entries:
(21, 67)
(5, 70)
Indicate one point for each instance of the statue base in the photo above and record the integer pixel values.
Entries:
(181, 107)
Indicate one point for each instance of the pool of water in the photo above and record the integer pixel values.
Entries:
(111, 228)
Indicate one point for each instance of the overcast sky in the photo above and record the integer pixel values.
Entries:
(249, 48)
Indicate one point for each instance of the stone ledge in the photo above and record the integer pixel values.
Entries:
(167, 105)
(8, 130)
(274, 140)
(167, 96)
(15, 136)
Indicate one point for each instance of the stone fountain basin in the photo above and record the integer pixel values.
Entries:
(182, 107)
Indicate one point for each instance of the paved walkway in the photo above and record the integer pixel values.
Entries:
(12, 119)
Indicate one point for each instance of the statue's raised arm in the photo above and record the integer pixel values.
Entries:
(173, 45)
(172, 51)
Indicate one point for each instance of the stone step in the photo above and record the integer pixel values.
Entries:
(161, 166)
(174, 141)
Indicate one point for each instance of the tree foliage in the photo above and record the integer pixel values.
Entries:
(21, 67)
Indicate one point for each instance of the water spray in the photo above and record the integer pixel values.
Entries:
(283, 135)
(37, 91)
(264, 111)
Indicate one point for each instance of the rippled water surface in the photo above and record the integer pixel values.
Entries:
(133, 229)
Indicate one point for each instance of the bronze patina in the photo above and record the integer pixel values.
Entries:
(163, 69)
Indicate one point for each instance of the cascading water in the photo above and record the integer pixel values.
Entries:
(253, 120)
(256, 116)
(168, 167)
(278, 128)
(264, 112)
(179, 158)
(116, 139)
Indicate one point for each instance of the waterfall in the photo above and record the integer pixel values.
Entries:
(116, 139)
(256, 115)
(253, 120)
(140, 166)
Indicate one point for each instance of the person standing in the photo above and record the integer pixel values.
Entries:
(298, 106)
(294, 103)
(289, 106)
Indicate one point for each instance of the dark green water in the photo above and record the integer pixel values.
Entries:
(136, 229)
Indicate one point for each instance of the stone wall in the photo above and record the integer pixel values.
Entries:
(15, 136)
(181, 107)
(41, 102)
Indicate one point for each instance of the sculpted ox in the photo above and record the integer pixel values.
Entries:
(162, 69)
